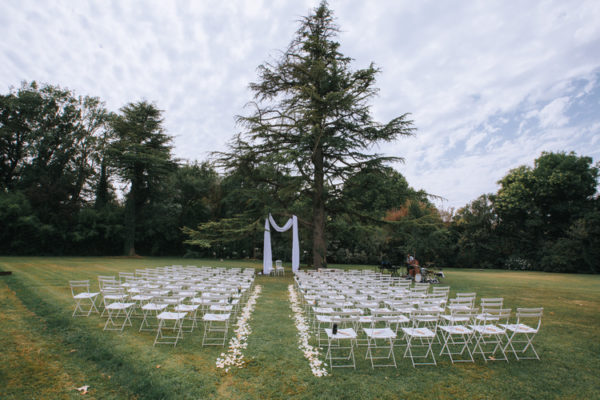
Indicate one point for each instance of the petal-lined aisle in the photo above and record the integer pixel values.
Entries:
(311, 353)
(239, 341)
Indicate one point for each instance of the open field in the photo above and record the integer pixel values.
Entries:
(47, 354)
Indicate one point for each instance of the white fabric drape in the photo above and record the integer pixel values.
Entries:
(267, 258)
(267, 255)
(284, 228)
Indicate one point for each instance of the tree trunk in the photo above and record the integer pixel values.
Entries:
(102, 189)
(319, 244)
(130, 224)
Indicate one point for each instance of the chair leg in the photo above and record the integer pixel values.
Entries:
(528, 341)
(161, 338)
(211, 327)
(339, 349)
(373, 346)
(80, 312)
(424, 342)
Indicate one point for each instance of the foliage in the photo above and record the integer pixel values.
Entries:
(542, 218)
(477, 243)
(537, 207)
(142, 155)
(60, 160)
(48, 148)
(312, 122)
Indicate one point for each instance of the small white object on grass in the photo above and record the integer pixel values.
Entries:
(83, 389)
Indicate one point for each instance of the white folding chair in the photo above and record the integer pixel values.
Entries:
(340, 346)
(488, 305)
(191, 311)
(118, 310)
(216, 326)
(489, 333)
(523, 331)
(279, 268)
(456, 335)
(80, 290)
(169, 322)
(421, 336)
(441, 289)
(141, 296)
(380, 341)
(321, 318)
(151, 310)
(125, 277)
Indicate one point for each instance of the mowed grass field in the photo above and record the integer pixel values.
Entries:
(47, 354)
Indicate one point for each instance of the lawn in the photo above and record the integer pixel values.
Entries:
(47, 354)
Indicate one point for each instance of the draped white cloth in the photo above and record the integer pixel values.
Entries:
(267, 257)
(267, 254)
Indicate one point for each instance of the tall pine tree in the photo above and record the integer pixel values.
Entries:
(142, 155)
(312, 120)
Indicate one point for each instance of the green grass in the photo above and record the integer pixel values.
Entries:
(47, 354)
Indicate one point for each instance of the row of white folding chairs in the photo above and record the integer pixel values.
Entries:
(461, 336)
(170, 313)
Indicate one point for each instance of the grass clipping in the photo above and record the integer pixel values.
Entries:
(234, 356)
(310, 353)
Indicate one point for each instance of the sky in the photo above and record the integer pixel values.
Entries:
(489, 85)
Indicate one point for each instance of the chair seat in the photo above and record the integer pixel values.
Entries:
(324, 318)
(119, 306)
(433, 309)
(488, 329)
(216, 317)
(186, 307)
(115, 296)
(419, 332)
(141, 297)
(171, 315)
(404, 310)
(454, 318)
(221, 308)
(375, 310)
(201, 300)
(520, 328)
(399, 319)
(154, 307)
(347, 333)
(457, 329)
(380, 333)
(85, 295)
(458, 307)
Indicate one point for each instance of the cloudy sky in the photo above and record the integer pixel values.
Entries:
(490, 84)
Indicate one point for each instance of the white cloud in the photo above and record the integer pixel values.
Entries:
(553, 115)
(489, 83)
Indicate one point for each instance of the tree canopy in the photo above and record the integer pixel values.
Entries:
(311, 121)
(142, 154)
(541, 218)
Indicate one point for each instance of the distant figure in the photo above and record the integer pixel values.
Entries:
(413, 266)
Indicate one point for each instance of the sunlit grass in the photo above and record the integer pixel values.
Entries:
(47, 354)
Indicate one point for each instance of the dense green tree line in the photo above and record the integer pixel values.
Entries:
(542, 218)
(77, 179)
(64, 159)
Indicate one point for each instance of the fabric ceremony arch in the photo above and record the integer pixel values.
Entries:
(267, 255)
